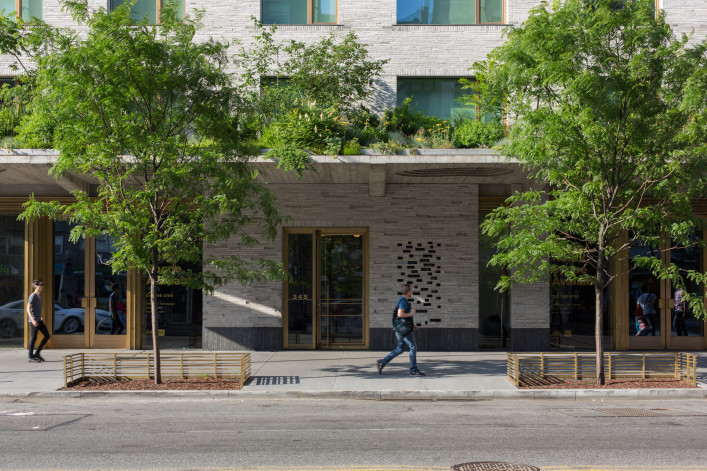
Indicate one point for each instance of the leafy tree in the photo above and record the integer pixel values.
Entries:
(335, 72)
(152, 115)
(608, 111)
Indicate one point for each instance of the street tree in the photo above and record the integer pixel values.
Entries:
(152, 115)
(606, 114)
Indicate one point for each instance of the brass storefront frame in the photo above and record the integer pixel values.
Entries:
(39, 263)
(620, 309)
(317, 234)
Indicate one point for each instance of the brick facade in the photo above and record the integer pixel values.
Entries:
(442, 214)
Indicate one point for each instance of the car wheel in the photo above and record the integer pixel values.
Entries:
(71, 325)
(103, 326)
(8, 328)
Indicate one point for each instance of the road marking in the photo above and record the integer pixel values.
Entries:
(288, 468)
(623, 468)
(325, 430)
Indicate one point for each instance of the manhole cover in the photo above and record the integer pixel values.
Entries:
(631, 413)
(493, 466)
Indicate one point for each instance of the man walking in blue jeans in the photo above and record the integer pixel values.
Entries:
(404, 311)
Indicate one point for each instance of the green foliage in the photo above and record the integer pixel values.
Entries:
(8, 143)
(150, 113)
(335, 72)
(406, 120)
(364, 126)
(471, 133)
(388, 148)
(351, 147)
(308, 127)
(12, 108)
(290, 157)
(437, 136)
(603, 103)
(36, 130)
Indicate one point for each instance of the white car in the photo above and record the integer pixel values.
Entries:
(11, 318)
(67, 320)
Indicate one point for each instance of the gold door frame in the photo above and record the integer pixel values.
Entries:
(620, 310)
(317, 233)
(39, 263)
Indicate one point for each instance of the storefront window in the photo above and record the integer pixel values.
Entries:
(494, 311)
(644, 293)
(106, 283)
(573, 314)
(69, 276)
(179, 314)
(12, 263)
(683, 322)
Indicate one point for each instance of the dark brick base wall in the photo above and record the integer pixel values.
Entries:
(530, 340)
(382, 339)
(430, 340)
(242, 338)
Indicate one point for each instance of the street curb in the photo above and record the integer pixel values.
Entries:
(384, 394)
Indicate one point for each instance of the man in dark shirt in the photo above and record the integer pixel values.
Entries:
(34, 313)
(117, 326)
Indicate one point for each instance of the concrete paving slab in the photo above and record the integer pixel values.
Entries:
(338, 374)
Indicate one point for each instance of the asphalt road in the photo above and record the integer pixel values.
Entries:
(349, 434)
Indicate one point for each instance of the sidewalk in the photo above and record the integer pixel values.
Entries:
(340, 374)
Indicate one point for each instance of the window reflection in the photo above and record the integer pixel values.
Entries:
(69, 276)
(12, 262)
(494, 310)
(449, 12)
(644, 293)
(107, 283)
(683, 322)
(440, 97)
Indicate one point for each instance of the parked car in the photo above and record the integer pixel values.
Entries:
(69, 320)
(11, 318)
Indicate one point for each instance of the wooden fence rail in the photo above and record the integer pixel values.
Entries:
(140, 365)
(539, 366)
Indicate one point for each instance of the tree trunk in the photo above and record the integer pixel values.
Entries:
(154, 318)
(599, 309)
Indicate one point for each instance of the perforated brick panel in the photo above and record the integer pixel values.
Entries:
(419, 265)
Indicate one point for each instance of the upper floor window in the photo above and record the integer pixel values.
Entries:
(148, 9)
(440, 97)
(449, 12)
(298, 12)
(28, 9)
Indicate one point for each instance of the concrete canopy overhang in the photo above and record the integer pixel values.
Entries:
(430, 166)
(26, 172)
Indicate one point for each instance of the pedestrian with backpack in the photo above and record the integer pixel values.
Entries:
(404, 326)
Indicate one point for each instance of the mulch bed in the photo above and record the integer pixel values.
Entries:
(625, 383)
(207, 384)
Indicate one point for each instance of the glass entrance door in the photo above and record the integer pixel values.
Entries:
(686, 331)
(325, 297)
(82, 283)
(654, 323)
